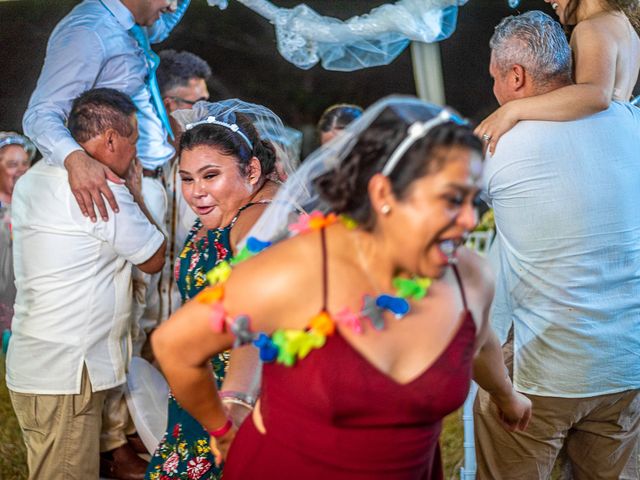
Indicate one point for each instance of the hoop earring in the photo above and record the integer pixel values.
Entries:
(385, 209)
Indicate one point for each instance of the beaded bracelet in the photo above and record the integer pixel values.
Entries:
(243, 398)
(219, 432)
(237, 401)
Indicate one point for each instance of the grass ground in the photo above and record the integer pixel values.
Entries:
(13, 459)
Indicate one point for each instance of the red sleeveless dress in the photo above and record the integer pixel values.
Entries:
(334, 416)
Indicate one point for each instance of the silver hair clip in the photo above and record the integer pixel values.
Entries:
(417, 130)
(211, 120)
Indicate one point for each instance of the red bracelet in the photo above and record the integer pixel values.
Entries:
(219, 432)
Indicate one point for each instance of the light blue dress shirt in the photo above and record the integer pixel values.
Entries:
(566, 197)
(92, 47)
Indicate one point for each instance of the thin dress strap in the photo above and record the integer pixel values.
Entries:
(235, 219)
(459, 280)
(325, 270)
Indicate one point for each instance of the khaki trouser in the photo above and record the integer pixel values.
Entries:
(61, 432)
(116, 421)
(599, 435)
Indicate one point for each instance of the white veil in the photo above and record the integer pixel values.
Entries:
(285, 140)
(299, 195)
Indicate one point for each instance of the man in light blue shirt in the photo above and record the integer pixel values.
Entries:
(94, 46)
(565, 197)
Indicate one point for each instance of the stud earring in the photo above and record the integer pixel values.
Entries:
(385, 209)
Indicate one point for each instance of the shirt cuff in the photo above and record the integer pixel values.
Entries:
(62, 150)
(149, 249)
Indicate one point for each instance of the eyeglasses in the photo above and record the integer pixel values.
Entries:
(188, 102)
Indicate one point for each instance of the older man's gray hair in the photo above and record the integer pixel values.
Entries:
(535, 41)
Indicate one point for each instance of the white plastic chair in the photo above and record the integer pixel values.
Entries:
(480, 243)
(147, 396)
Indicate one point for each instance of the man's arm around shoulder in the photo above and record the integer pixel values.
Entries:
(135, 235)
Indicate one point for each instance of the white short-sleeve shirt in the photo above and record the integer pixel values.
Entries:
(73, 280)
(565, 197)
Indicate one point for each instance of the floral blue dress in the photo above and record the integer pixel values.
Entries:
(184, 452)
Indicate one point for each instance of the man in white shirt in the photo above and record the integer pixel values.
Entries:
(71, 329)
(107, 43)
(565, 197)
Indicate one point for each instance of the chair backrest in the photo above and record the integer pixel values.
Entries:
(480, 241)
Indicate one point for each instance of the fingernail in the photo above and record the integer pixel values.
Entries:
(116, 210)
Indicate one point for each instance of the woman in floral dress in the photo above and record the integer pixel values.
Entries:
(224, 167)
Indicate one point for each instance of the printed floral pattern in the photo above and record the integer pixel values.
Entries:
(181, 459)
(199, 255)
(184, 452)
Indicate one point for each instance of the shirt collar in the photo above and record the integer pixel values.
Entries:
(122, 13)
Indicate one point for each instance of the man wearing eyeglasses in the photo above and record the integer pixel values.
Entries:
(182, 78)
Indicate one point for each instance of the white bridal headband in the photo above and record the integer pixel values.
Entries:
(211, 120)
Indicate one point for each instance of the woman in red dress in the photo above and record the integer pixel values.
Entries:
(369, 321)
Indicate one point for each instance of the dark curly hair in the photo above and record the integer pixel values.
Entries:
(177, 68)
(231, 143)
(345, 188)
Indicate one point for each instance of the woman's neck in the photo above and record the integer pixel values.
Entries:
(266, 191)
(370, 253)
(591, 9)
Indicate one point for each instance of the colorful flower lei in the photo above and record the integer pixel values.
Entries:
(287, 346)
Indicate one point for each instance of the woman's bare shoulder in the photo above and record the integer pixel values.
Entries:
(278, 282)
(475, 271)
(600, 27)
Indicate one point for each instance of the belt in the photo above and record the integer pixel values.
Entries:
(155, 173)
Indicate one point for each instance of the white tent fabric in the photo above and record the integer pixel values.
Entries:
(305, 37)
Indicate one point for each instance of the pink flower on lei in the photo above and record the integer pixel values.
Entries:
(349, 319)
(171, 464)
(197, 467)
(314, 221)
